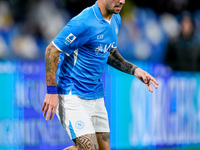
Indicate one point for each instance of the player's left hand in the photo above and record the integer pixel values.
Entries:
(146, 78)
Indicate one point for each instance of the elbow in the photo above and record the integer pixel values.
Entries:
(52, 51)
(48, 48)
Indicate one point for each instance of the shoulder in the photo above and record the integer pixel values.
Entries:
(84, 17)
(82, 20)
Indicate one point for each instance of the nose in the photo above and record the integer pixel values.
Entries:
(122, 1)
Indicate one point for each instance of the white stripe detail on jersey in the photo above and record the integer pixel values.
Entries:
(59, 48)
(70, 93)
(95, 14)
(75, 53)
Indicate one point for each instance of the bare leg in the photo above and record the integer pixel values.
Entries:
(103, 139)
(85, 142)
(71, 148)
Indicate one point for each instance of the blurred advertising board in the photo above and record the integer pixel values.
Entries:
(170, 116)
(22, 92)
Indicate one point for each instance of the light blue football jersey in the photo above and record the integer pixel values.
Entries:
(86, 41)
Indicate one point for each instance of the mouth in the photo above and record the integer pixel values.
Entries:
(119, 7)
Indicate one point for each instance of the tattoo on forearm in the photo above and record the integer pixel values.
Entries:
(51, 63)
(87, 142)
(117, 61)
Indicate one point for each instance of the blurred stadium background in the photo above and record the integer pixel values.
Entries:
(169, 118)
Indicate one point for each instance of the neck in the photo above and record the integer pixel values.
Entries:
(107, 15)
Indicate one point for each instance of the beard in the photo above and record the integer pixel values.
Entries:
(116, 9)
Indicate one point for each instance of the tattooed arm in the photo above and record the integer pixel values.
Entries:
(117, 61)
(51, 62)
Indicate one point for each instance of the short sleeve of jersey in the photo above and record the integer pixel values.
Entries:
(71, 37)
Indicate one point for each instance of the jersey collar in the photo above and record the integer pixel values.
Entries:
(97, 12)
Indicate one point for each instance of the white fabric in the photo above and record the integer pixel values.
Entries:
(85, 116)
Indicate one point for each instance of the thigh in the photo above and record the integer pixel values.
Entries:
(73, 116)
(99, 117)
(103, 139)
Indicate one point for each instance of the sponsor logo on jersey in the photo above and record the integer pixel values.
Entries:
(70, 38)
(103, 49)
(99, 37)
(80, 124)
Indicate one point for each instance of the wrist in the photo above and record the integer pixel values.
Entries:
(134, 68)
(52, 90)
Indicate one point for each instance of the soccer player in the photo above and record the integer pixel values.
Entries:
(89, 42)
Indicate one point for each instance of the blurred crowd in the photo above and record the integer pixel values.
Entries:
(27, 26)
(171, 38)
(149, 31)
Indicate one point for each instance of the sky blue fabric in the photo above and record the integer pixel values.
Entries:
(86, 40)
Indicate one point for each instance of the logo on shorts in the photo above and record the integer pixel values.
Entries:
(80, 124)
(69, 39)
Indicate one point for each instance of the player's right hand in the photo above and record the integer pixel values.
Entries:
(50, 105)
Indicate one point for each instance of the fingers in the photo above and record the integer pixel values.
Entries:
(53, 113)
(45, 110)
(48, 113)
(148, 80)
(43, 106)
(154, 84)
(145, 79)
(148, 85)
(154, 81)
(49, 106)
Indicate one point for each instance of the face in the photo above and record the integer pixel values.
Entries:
(114, 6)
(187, 26)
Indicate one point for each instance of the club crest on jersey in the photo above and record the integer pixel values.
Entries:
(70, 38)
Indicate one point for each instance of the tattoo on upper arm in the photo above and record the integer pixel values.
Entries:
(117, 61)
(51, 63)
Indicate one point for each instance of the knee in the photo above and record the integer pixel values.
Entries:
(87, 142)
(96, 146)
(88, 146)
(103, 140)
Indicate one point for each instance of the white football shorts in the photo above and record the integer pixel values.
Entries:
(80, 116)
